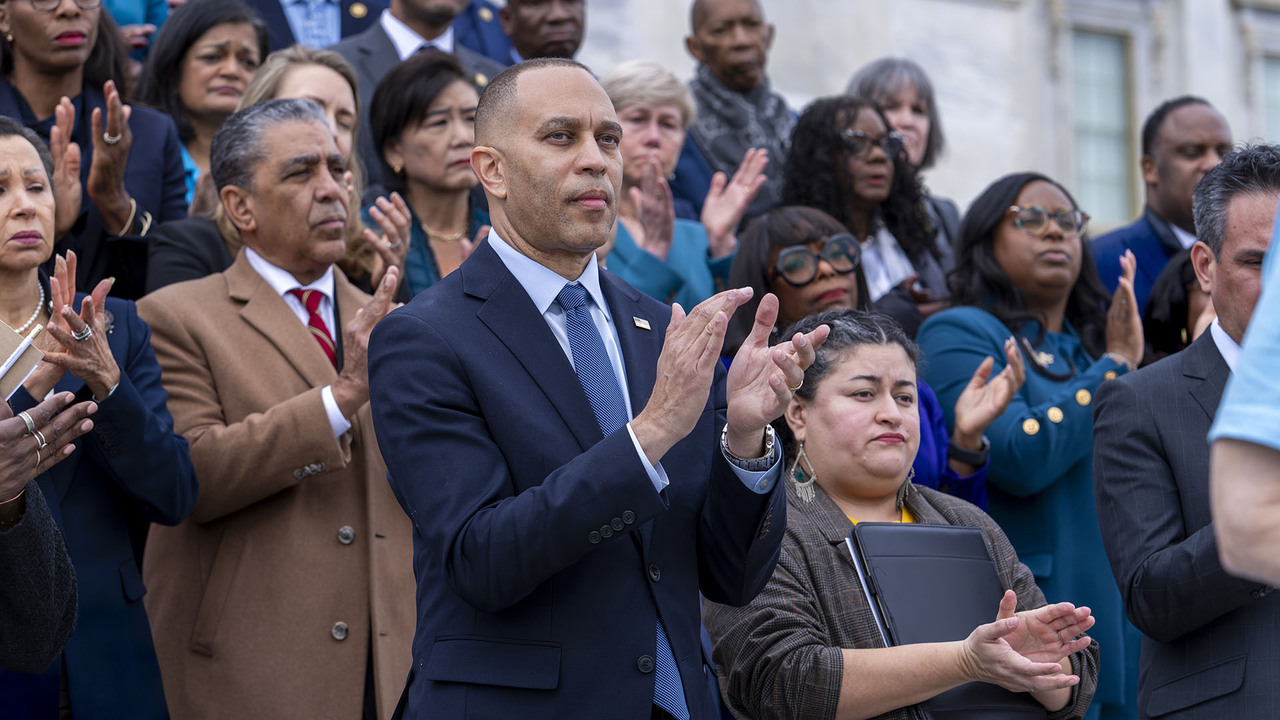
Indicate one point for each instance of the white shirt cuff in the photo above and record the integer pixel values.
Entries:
(760, 482)
(336, 420)
(657, 475)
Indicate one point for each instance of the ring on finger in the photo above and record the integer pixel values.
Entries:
(83, 334)
(797, 387)
(37, 458)
(31, 426)
(111, 139)
(395, 244)
(40, 439)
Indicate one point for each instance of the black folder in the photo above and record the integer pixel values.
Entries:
(936, 583)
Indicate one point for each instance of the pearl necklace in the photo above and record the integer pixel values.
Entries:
(36, 314)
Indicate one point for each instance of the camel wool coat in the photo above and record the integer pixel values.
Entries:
(297, 560)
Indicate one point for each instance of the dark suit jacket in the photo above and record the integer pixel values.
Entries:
(186, 249)
(37, 589)
(543, 555)
(154, 177)
(1209, 645)
(479, 29)
(131, 470)
(357, 15)
(1152, 242)
(372, 55)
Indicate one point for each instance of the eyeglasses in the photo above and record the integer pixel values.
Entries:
(798, 265)
(860, 143)
(51, 5)
(1035, 220)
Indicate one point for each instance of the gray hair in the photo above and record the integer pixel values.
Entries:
(237, 147)
(1253, 169)
(644, 82)
(886, 78)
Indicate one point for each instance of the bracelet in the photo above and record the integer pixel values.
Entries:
(976, 458)
(133, 210)
(146, 222)
(1122, 360)
(111, 391)
(15, 497)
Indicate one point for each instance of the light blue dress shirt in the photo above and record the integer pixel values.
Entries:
(315, 23)
(543, 285)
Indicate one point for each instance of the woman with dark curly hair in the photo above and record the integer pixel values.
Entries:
(847, 162)
(1024, 268)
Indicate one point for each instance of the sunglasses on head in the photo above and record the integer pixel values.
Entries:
(798, 265)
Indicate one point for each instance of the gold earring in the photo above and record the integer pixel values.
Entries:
(396, 168)
(9, 37)
(804, 478)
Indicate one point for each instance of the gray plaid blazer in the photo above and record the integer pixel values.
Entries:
(780, 656)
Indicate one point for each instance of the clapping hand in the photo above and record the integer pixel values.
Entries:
(727, 201)
(67, 193)
(111, 144)
(392, 245)
(982, 402)
(1124, 325)
(24, 454)
(655, 210)
(1022, 651)
(82, 337)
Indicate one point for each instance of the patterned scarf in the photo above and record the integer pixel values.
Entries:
(729, 123)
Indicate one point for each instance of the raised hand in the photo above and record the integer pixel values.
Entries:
(111, 143)
(67, 193)
(83, 337)
(1023, 651)
(351, 389)
(982, 402)
(23, 454)
(1124, 325)
(728, 200)
(392, 245)
(762, 380)
(655, 211)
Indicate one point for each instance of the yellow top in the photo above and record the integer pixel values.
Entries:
(907, 517)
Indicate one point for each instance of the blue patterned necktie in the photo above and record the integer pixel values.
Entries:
(595, 373)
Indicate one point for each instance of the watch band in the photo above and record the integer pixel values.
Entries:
(759, 464)
(976, 458)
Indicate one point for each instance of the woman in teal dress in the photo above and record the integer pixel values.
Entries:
(423, 118)
(1024, 269)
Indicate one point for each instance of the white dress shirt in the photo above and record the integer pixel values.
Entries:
(1185, 238)
(543, 286)
(407, 41)
(282, 281)
(1229, 348)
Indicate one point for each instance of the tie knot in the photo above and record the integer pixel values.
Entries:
(572, 296)
(310, 298)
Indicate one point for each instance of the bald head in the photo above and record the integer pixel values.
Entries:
(499, 106)
(702, 11)
(732, 40)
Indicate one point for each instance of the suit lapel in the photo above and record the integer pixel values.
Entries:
(267, 312)
(378, 53)
(511, 315)
(640, 347)
(1205, 365)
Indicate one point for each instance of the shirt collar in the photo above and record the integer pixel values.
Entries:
(543, 284)
(282, 281)
(1229, 348)
(407, 41)
(1184, 237)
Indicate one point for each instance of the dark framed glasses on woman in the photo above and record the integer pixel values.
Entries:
(798, 265)
(51, 5)
(860, 143)
(1035, 220)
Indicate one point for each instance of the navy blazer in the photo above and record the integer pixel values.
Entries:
(479, 29)
(129, 471)
(153, 177)
(356, 16)
(544, 556)
(1152, 242)
(1209, 638)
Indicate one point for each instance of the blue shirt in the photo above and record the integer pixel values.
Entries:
(315, 23)
(543, 285)
(1250, 408)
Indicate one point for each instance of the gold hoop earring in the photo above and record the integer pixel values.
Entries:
(805, 477)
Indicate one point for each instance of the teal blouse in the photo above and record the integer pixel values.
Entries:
(688, 276)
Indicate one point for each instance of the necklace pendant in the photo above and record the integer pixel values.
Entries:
(1045, 359)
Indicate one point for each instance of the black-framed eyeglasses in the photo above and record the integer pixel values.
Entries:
(1035, 219)
(859, 143)
(798, 265)
(51, 5)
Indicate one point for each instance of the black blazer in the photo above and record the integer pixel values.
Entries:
(1209, 639)
(186, 249)
(37, 589)
(543, 555)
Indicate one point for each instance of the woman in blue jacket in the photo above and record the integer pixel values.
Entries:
(1023, 268)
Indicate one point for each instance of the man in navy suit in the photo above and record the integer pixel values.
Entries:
(1209, 637)
(560, 550)
(315, 23)
(1182, 139)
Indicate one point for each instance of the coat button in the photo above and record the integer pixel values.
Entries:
(617, 524)
(593, 537)
(645, 664)
(339, 630)
(655, 572)
(606, 531)
(346, 535)
(628, 517)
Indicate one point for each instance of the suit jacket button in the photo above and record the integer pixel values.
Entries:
(645, 664)
(655, 572)
(593, 537)
(339, 631)
(346, 535)
(628, 517)
(606, 531)
(617, 524)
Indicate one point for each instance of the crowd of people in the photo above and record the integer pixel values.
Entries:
(396, 365)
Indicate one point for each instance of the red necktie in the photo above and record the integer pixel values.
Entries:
(311, 300)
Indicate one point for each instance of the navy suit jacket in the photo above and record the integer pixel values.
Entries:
(129, 471)
(1209, 639)
(356, 16)
(479, 29)
(544, 556)
(1152, 243)
(154, 177)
